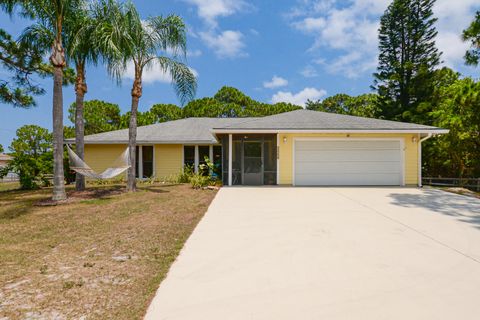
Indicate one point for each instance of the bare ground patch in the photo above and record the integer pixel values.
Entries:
(101, 255)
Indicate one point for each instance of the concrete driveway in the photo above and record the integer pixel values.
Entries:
(328, 253)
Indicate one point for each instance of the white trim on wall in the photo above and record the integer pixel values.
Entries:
(278, 158)
(230, 162)
(402, 150)
(140, 160)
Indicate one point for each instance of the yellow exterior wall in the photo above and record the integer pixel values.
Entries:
(102, 156)
(168, 160)
(286, 152)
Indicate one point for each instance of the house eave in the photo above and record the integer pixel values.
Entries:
(416, 131)
(145, 142)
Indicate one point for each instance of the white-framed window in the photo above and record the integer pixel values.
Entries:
(145, 156)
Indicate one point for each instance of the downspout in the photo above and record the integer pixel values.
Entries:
(420, 159)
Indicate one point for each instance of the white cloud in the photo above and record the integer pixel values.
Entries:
(210, 10)
(299, 98)
(310, 24)
(151, 74)
(309, 72)
(194, 53)
(276, 82)
(226, 44)
(351, 30)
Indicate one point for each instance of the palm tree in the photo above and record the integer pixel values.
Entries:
(157, 40)
(52, 14)
(80, 50)
(83, 35)
(77, 31)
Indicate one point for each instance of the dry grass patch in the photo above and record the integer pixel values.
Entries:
(101, 255)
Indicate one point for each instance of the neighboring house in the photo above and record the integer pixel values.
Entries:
(301, 147)
(4, 159)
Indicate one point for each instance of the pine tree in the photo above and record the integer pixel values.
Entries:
(407, 58)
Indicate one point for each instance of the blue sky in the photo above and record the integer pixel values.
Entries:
(271, 50)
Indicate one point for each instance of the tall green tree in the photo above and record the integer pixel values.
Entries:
(157, 40)
(365, 105)
(472, 35)
(212, 108)
(32, 156)
(52, 14)
(23, 62)
(165, 112)
(407, 58)
(80, 49)
(458, 152)
(1, 148)
(98, 116)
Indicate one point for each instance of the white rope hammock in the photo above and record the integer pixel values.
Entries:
(120, 165)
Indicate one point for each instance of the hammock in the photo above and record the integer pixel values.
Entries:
(121, 164)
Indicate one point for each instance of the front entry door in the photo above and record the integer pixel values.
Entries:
(252, 163)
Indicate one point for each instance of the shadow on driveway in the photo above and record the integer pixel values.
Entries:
(466, 209)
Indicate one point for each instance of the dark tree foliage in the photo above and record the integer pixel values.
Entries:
(365, 105)
(165, 112)
(231, 102)
(99, 116)
(211, 107)
(457, 153)
(407, 58)
(23, 62)
(472, 35)
(32, 156)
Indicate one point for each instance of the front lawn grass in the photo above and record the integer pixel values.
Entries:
(101, 255)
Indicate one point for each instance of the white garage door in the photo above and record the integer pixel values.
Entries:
(348, 162)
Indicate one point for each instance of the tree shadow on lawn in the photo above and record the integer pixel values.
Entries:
(16, 203)
(156, 188)
(464, 208)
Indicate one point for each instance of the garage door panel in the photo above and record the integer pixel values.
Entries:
(346, 180)
(351, 155)
(347, 145)
(349, 167)
(352, 162)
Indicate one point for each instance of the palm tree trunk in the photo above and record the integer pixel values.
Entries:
(57, 59)
(80, 90)
(132, 130)
(58, 176)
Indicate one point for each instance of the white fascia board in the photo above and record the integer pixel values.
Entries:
(432, 131)
(193, 142)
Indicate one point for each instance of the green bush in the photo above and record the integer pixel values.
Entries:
(185, 175)
(199, 181)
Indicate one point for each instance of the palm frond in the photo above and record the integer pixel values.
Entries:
(169, 33)
(39, 36)
(183, 80)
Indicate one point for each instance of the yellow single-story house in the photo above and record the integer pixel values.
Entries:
(299, 148)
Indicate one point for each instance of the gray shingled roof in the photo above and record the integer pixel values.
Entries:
(316, 120)
(190, 130)
(201, 130)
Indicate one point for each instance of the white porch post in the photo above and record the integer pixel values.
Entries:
(210, 155)
(140, 162)
(197, 162)
(230, 159)
(278, 158)
(210, 152)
